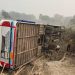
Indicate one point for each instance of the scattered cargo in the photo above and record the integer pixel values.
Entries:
(50, 38)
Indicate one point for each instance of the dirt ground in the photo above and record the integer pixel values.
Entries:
(65, 66)
(44, 66)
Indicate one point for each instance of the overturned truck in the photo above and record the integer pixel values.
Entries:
(21, 41)
(51, 40)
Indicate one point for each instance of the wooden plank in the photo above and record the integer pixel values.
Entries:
(27, 43)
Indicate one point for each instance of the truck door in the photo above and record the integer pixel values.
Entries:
(6, 43)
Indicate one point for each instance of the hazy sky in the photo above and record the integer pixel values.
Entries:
(46, 7)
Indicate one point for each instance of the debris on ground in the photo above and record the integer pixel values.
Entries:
(46, 67)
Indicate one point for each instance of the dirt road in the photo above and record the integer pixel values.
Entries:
(59, 68)
(48, 67)
(44, 67)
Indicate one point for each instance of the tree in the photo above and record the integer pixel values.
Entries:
(72, 21)
(44, 18)
(5, 14)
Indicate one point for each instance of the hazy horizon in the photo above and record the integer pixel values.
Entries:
(36, 7)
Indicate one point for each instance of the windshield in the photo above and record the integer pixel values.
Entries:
(5, 41)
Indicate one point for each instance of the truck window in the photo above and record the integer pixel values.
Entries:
(5, 42)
